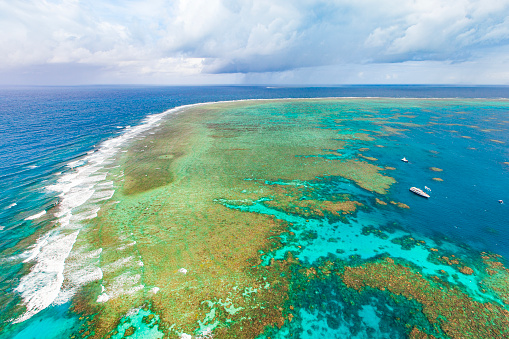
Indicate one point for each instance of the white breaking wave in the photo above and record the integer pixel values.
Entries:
(79, 162)
(102, 298)
(122, 262)
(123, 247)
(122, 284)
(41, 286)
(36, 216)
(81, 190)
(81, 267)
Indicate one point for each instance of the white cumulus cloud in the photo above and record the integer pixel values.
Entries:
(135, 40)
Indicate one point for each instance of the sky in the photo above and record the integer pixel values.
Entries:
(186, 42)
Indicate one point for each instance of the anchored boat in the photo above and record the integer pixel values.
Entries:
(418, 191)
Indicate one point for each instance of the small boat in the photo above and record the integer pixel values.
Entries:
(418, 191)
(427, 188)
(404, 159)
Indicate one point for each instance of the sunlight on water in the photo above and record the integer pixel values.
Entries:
(270, 219)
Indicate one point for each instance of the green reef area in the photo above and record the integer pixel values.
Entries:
(223, 225)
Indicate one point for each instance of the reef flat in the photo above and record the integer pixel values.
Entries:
(275, 218)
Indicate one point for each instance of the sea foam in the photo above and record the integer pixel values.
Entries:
(41, 286)
(81, 190)
(36, 216)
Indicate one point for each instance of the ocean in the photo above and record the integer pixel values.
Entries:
(57, 146)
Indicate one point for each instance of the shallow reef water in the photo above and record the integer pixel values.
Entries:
(289, 218)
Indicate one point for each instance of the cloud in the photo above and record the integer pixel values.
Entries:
(137, 39)
(440, 30)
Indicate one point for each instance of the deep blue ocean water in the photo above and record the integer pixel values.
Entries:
(43, 129)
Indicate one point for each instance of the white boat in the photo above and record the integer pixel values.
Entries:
(418, 191)
(404, 159)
